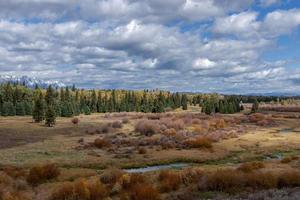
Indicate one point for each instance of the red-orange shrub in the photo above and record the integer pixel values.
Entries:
(250, 166)
(75, 121)
(144, 192)
(40, 174)
(200, 142)
(170, 181)
(101, 143)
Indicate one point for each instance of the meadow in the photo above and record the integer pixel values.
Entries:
(91, 157)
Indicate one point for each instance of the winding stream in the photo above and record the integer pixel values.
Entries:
(157, 168)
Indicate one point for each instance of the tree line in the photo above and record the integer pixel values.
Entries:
(42, 104)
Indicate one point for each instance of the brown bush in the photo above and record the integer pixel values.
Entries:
(147, 128)
(191, 175)
(63, 192)
(117, 124)
(80, 190)
(220, 123)
(260, 180)
(250, 166)
(223, 180)
(5, 179)
(14, 172)
(256, 117)
(170, 123)
(130, 181)
(97, 190)
(111, 176)
(170, 181)
(125, 121)
(200, 142)
(288, 159)
(15, 196)
(196, 121)
(144, 192)
(289, 178)
(154, 117)
(142, 151)
(169, 132)
(199, 129)
(40, 174)
(75, 121)
(104, 128)
(101, 143)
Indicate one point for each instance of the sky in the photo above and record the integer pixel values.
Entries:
(225, 46)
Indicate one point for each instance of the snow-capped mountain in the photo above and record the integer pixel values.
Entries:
(30, 81)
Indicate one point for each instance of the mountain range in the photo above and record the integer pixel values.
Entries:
(30, 81)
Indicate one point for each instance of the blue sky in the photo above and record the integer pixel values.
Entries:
(228, 46)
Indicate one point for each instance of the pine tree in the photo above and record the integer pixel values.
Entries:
(255, 106)
(38, 113)
(20, 109)
(184, 102)
(50, 115)
(8, 109)
(93, 106)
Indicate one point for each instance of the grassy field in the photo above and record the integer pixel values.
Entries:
(102, 145)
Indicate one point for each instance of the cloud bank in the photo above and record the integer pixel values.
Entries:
(178, 45)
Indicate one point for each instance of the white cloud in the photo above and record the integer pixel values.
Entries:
(171, 44)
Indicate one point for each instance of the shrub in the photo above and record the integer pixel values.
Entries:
(104, 128)
(130, 181)
(144, 192)
(117, 124)
(250, 166)
(63, 192)
(200, 142)
(111, 176)
(75, 121)
(154, 117)
(170, 132)
(170, 181)
(40, 174)
(101, 143)
(220, 123)
(191, 175)
(223, 180)
(125, 121)
(142, 151)
(289, 179)
(80, 190)
(97, 190)
(288, 159)
(169, 123)
(260, 180)
(146, 127)
(14, 172)
(256, 117)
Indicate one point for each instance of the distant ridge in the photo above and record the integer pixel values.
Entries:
(30, 82)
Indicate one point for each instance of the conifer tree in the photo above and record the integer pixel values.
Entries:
(255, 106)
(50, 115)
(8, 109)
(184, 102)
(20, 109)
(38, 113)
